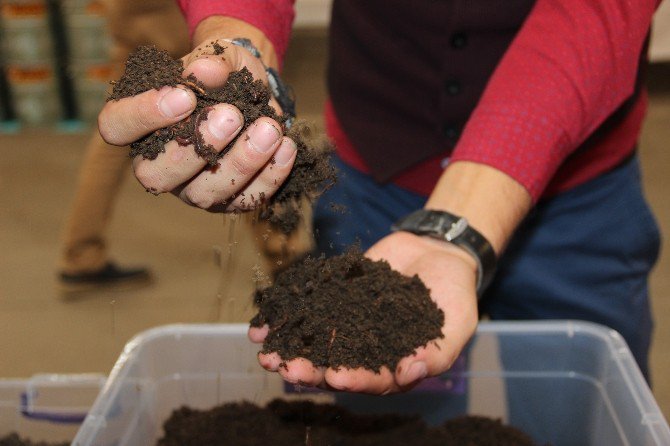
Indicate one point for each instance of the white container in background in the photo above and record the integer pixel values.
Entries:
(91, 80)
(88, 37)
(47, 408)
(563, 382)
(26, 36)
(33, 93)
(82, 7)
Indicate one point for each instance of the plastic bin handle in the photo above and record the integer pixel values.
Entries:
(52, 417)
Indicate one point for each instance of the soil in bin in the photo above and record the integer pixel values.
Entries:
(150, 68)
(304, 423)
(13, 439)
(346, 311)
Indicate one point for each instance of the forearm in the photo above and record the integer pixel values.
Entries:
(493, 203)
(220, 27)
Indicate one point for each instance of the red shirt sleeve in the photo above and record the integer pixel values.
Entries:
(571, 65)
(273, 17)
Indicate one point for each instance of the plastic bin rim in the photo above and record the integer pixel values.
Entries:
(567, 327)
(640, 393)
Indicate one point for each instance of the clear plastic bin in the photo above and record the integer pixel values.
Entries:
(563, 382)
(47, 408)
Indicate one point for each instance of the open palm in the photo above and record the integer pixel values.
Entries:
(449, 273)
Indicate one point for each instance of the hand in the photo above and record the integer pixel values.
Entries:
(255, 166)
(449, 273)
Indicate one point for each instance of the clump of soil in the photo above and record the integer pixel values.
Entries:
(13, 439)
(284, 423)
(346, 311)
(150, 68)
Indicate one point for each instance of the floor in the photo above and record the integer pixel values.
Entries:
(43, 330)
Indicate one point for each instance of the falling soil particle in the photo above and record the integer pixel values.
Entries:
(346, 311)
(295, 423)
(150, 68)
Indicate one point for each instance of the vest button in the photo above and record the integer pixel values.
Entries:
(453, 87)
(450, 131)
(459, 40)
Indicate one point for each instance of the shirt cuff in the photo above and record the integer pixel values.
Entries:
(273, 17)
(524, 144)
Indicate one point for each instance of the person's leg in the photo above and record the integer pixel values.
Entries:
(84, 259)
(100, 177)
(586, 255)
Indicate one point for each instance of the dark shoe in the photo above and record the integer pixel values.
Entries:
(110, 276)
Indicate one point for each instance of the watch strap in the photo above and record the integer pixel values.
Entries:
(445, 226)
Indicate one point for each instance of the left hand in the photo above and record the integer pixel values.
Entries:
(449, 273)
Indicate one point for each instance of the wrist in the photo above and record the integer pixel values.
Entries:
(220, 27)
(493, 203)
(449, 229)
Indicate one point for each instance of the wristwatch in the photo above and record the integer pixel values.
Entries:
(282, 92)
(447, 227)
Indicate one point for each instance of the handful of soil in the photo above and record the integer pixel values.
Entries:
(150, 68)
(346, 311)
(284, 423)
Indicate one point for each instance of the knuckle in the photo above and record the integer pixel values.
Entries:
(242, 166)
(149, 178)
(144, 119)
(199, 199)
(107, 130)
(271, 181)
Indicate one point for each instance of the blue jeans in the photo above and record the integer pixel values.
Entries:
(585, 254)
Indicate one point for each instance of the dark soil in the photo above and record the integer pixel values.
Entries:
(150, 68)
(303, 423)
(346, 311)
(15, 440)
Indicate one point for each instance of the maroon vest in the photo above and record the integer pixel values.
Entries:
(405, 75)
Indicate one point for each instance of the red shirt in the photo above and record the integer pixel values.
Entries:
(572, 64)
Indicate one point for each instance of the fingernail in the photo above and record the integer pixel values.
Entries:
(263, 136)
(285, 152)
(223, 122)
(175, 103)
(416, 371)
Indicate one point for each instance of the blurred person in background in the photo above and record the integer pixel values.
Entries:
(85, 262)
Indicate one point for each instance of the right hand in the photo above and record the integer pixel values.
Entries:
(449, 272)
(256, 165)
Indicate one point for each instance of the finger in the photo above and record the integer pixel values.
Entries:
(258, 334)
(270, 361)
(127, 120)
(269, 179)
(301, 371)
(179, 163)
(361, 380)
(250, 153)
(438, 355)
(434, 358)
(213, 70)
